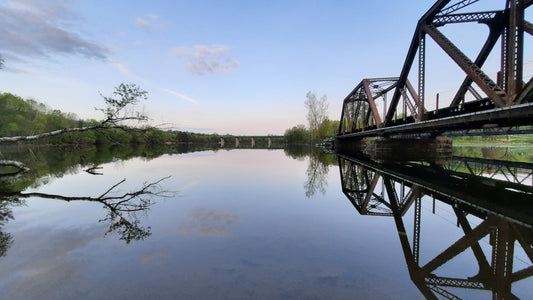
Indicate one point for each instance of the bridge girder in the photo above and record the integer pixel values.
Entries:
(361, 115)
(507, 25)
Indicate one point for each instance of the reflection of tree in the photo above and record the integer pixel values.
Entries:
(6, 214)
(318, 167)
(317, 172)
(122, 209)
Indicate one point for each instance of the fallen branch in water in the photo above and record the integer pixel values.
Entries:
(13, 163)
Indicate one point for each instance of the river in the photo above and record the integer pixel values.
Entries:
(173, 223)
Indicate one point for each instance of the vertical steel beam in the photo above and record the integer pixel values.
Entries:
(341, 123)
(421, 73)
(503, 266)
(515, 49)
(416, 229)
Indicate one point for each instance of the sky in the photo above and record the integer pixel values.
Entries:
(230, 67)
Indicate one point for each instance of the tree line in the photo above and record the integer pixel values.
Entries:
(27, 117)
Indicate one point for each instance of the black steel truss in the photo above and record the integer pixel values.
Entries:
(407, 104)
(496, 271)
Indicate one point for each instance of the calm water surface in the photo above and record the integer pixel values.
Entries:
(239, 224)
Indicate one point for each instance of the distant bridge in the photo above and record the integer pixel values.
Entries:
(499, 105)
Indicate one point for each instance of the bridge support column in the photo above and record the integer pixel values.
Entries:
(432, 149)
(236, 142)
(350, 146)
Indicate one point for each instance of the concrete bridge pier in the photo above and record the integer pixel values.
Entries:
(236, 142)
(253, 142)
(269, 142)
(221, 142)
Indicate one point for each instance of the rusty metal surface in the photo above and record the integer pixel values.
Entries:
(408, 106)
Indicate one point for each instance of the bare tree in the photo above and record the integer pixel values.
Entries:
(317, 110)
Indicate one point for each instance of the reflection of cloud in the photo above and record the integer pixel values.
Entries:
(155, 258)
(47, 262)
(39, 28)
(206, 222)
(203, 60)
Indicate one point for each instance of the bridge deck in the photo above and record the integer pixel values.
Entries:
(436, 124)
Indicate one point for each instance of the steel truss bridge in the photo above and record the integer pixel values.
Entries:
(482, 104)
(501, 202)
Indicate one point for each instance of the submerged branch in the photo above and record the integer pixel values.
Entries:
(13, 163)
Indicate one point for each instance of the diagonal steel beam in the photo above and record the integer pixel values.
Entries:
(528, 27)
(496, 29)
(371, 102)
(427, 18)
(462, 244)
(495, 93)
(527, 93)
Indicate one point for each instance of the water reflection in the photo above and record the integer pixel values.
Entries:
(488, 198)
(208, 222)
(122, 209)
(317, 168)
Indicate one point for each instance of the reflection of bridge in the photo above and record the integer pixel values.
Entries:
(493, 103)
(504, 211)
(517, 172)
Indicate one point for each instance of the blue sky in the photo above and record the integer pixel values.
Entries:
(238, 67)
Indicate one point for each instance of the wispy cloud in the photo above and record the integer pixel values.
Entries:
(141, 21)
(182, 96)
(122, 68)
(203, 60)
(149, 23)
(40, 28)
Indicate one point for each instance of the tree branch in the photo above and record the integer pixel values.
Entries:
(12, 139)
(13, 163)
(121, 209)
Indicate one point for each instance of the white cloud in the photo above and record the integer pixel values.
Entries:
(184, 97)
(141, 21)
(122, 68)
(40, 28)
(148, 25)
(203, 60)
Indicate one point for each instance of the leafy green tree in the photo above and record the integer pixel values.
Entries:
(297, 135)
